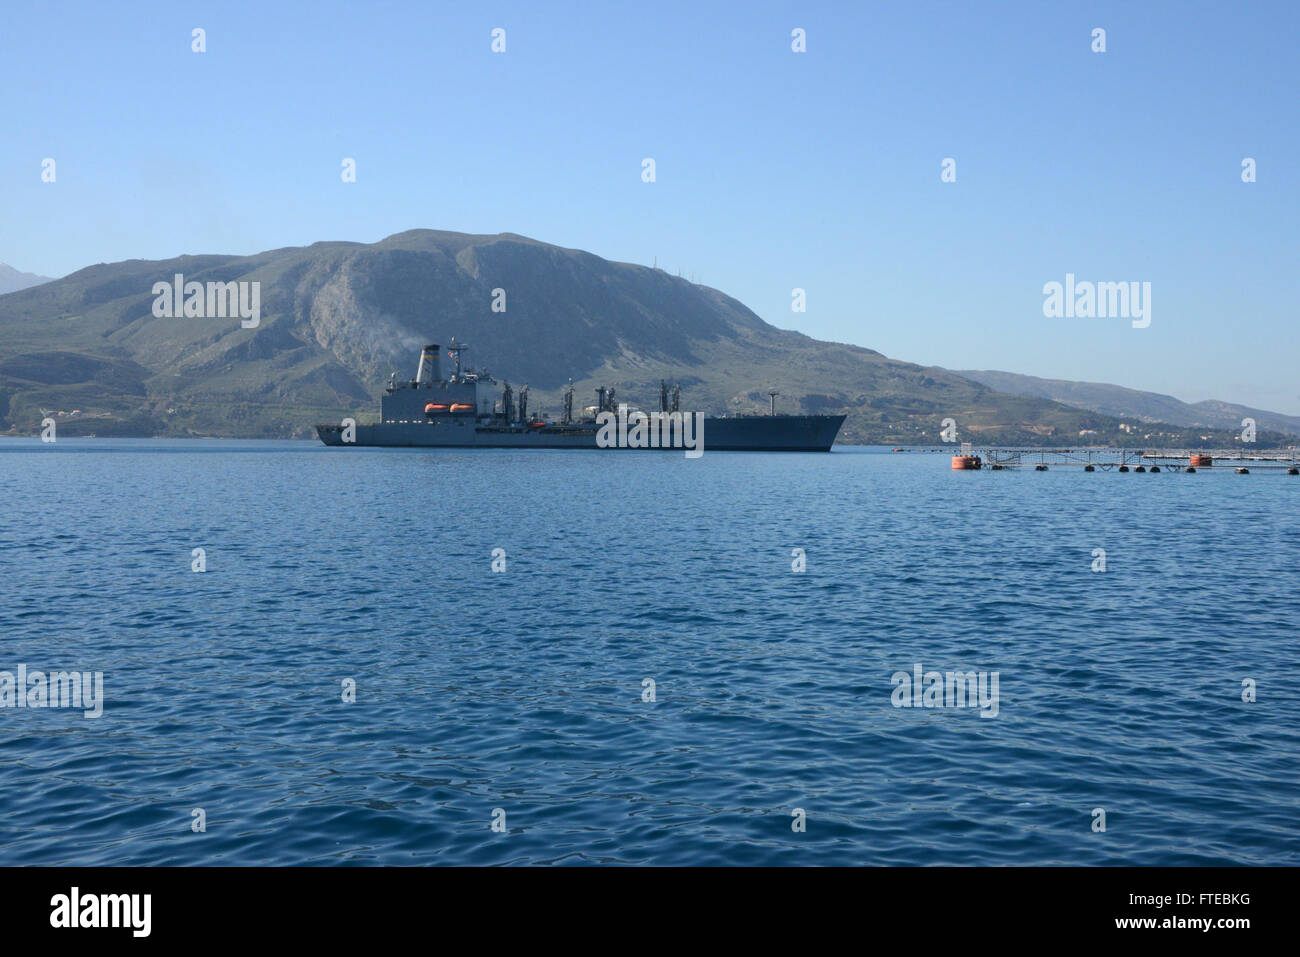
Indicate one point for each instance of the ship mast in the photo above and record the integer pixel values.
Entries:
(455, 349)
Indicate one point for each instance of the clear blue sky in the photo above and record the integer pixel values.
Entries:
(775, 170)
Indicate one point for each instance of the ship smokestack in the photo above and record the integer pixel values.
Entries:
(430, 370)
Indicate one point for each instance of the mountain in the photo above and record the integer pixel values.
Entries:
(338, 317)
(1135, 405)
(11, 280)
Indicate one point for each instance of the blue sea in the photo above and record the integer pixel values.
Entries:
(519, 697)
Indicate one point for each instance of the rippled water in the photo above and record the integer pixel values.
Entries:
(522, 690)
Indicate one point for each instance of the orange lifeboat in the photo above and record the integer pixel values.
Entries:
(434, 407)
(537, 425)
(964, 462)
(462, 407)
(1200, 461)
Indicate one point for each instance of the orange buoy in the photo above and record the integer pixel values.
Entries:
(964, 462)
(1200, 461)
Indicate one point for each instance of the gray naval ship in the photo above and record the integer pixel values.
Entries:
(466, 411)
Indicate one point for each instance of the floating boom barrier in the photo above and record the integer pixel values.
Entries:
(1128, 460)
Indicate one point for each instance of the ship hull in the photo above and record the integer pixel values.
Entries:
(759, 433)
